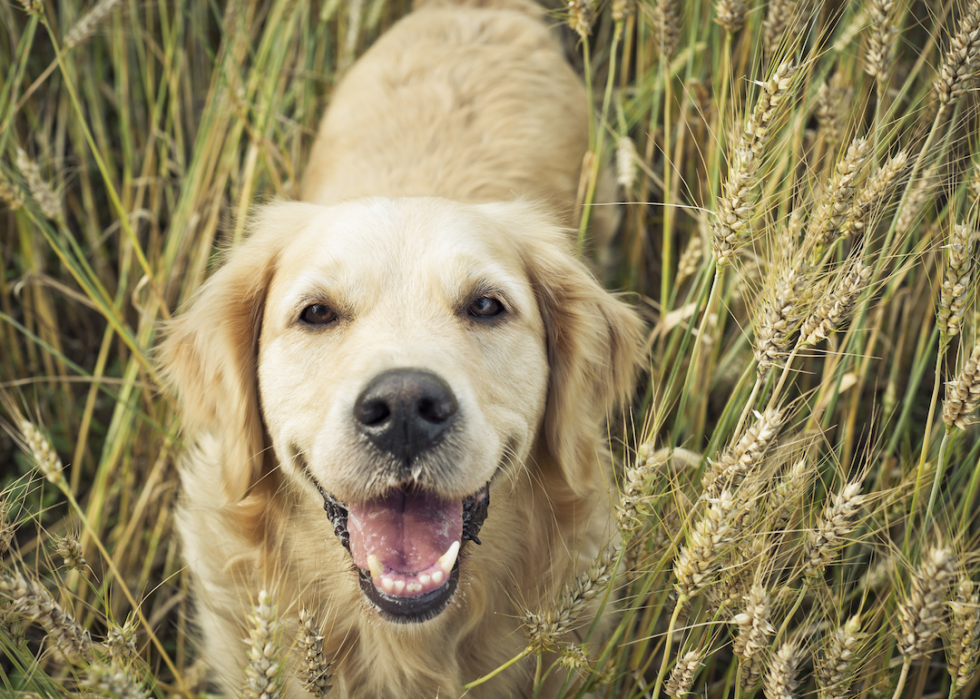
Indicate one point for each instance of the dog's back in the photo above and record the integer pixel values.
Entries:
(471, 103)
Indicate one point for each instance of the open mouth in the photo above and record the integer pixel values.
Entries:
(406, 547)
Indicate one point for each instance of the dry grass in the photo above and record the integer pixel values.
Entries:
(824, 152)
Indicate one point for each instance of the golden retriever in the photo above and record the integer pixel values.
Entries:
(416, 350)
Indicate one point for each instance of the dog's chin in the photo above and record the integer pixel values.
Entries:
(406, 546)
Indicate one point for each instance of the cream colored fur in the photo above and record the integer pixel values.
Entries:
(448, 160)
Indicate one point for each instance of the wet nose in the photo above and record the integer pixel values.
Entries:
(405, 411)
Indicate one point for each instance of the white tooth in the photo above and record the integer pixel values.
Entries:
(447, 559)
(437, 577)
(425, 579)
(387, 583)
(375, 565)
(414, 587)
(399, 586)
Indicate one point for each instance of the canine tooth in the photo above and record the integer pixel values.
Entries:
(437, 577)
(375, 565)
(425, 579)
(414, 587)
(387, 583)
(399, 586)
(447, 559)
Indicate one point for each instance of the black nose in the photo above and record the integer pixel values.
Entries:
(405, 411)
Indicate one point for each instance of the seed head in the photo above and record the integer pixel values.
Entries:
(832, 211)
(753, 624)
(9, 194)
(667, 25)
(875, 194)
(40, 190)
(920, 195)
(744, 457)
(121, 640)
(737, 201)
(923, 614)
(70, 550)
(784, 501)
(315, 671)
(112, 681)
(45, 457)
(731, 14)
(31, 601)
(778, 318)
(780, 23)
(961, 60)
(832, 528)
(85, 27)
(957, 280)
(781, 680)
(835, 673)
(625, 162)
(699, 559)
(574, 657)
(690, 259)
(581, 15)
(545, 630)
(963, 395)
(881, 41)
(683, 674)
(963, 645)
(836, 306)
(630, 515)
(264, 670)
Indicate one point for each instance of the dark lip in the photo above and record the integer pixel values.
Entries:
(410, 610)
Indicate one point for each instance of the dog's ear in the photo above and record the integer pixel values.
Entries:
(208, 355)
(595, 345)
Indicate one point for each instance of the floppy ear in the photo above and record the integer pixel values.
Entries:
(209, 352)
(594, 351)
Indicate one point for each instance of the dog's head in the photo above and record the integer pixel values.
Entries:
(400, 355)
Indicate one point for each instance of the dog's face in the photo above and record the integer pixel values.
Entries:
(401, 355)
(402, 363)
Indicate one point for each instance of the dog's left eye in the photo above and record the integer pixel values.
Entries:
(318, 314)
(485, 307)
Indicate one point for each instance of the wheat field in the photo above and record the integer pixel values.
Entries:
(798, 472)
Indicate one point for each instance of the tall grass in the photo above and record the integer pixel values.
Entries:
(800, 471)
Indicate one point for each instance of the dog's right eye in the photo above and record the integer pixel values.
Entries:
(318, 314)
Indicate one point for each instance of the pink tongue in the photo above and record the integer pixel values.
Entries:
(407, 532)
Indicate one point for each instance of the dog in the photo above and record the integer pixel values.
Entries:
(394, 392)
